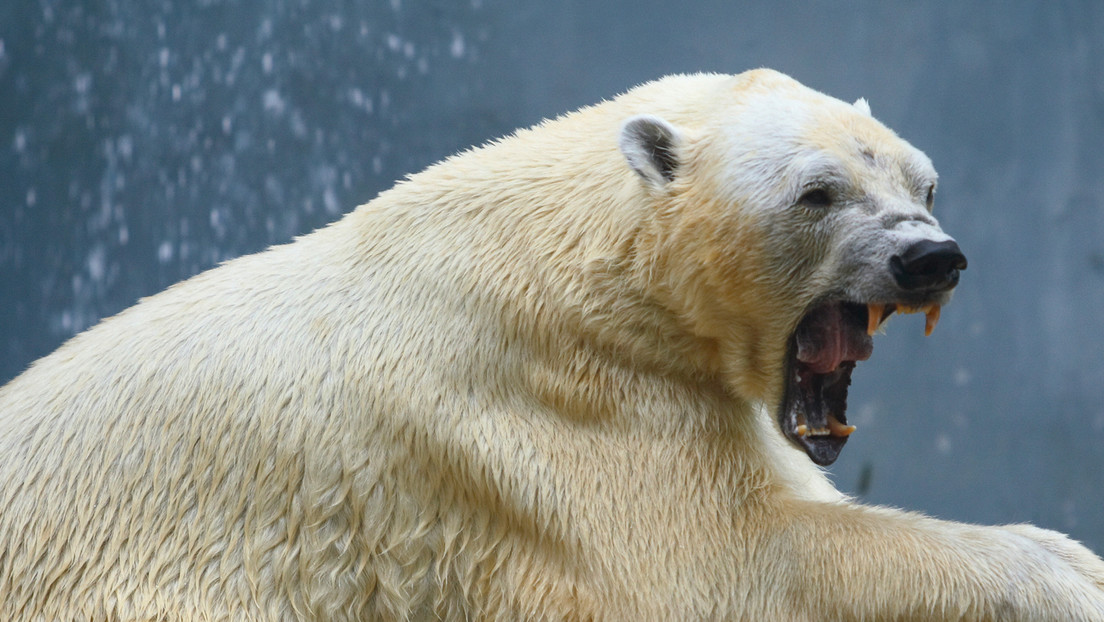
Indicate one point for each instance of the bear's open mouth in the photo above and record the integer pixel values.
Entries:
(821, 355)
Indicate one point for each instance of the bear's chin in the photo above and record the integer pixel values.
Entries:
(820, 357)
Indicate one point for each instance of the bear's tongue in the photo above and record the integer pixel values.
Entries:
(831, 334)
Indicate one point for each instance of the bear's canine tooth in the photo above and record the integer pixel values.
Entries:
(931, 318)
(839, 429)
(873, 317)
(801, 430)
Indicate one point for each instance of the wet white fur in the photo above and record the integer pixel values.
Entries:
(529, 383)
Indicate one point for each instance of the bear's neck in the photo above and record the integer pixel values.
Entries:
(525, 265)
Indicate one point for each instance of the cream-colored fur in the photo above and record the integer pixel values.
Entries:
(525, 384)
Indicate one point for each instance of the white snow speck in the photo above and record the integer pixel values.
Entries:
(218, 222)
(329, 200)
(273, 102)
(298, 126)
(360, 100)
(82, 83)
(163, 57)
(962, 377)
(165, 252)
(32, 197)
(394, 42)
(456, 48)
(266, 62)
(943, 444)
(97, 263)
(176, 92)
(125, 145)
(20, 141)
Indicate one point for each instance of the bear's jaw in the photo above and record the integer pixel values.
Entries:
(821, 355)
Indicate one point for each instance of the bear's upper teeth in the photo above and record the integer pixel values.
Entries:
(876, 315)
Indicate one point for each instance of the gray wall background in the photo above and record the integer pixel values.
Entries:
(144, 141)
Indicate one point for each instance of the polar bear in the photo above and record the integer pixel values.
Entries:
(586, 372)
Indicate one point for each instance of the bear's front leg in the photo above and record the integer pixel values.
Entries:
(844, 561)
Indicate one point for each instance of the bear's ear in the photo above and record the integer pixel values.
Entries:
(650, 145)
(862, 106)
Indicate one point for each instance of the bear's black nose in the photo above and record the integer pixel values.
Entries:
(928, 265)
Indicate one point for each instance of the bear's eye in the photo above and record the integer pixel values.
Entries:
(931, 197)
(817, 198)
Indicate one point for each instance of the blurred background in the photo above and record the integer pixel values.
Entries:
(142, 142)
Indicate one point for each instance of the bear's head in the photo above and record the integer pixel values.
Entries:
(793, 225)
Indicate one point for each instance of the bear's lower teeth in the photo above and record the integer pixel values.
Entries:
(834, 428)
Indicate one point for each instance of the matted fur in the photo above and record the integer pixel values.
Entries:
(525, 384)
